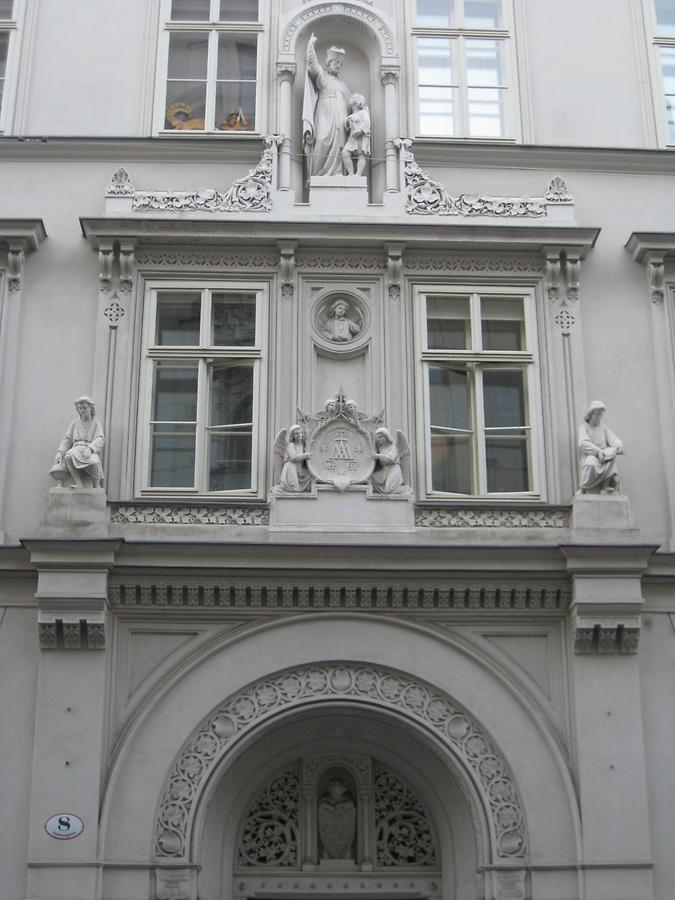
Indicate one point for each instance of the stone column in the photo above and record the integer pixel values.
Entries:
(70, 714)
(286, 77)
(606, 704)
(389, 76)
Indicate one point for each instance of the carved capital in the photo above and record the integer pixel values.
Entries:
(16, 259)
(287, 266)
(286, 71)
(656, 270)
(390, 74)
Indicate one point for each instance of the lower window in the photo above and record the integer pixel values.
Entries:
(478, 373)
(201, 385)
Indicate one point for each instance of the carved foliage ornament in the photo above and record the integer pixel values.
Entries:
(403, 836)
(457, 730)
(270, 833)
(251, 193)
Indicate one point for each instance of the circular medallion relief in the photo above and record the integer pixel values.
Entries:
(341, 454)
(340, 319)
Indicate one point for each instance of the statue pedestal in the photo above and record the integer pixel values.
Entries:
(337, 194)
(602, 511)
(353, 509)
(76, 506)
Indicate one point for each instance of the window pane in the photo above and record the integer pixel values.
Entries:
(436, 106)
(230, 460)
(6, 9)
(435, 13)
(237, 56)
(668, 69)
(4, 46)
(665, 17)
(507, 463)
(235, 105)
(233, 320)
(484, 63)
(503, 324)
(190, 10)
(482, 14)
(175, 392)
(172, 456)
(232, 395)
(451, 464)
(504, 398)
(178, 314)
(486, 112)
(188, 53)
(449, 397)
(185, 105)
(238, 10)
(448, 323)
(435, 61)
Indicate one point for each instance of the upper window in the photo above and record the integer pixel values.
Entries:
(462, 50)
(210, 81)
(665, 47)
(7, 36)
(201, 385)
(478, 370)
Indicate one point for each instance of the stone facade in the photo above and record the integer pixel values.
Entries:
(334, 617)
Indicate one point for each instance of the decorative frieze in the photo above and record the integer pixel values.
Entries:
(343, 9)
(332, 595)
(486, 517)
(70, 632)
(179, 514)
(447, 263)
(199, 259)
(606, 637)
(417, 701)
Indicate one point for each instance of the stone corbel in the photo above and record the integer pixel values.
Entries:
(572, 270)
(553, 265)
(71, 631)
(105, 267)
(605, 636)
(287, 267)
(394, 269)
(656, 275)
(126, 262)
(16, 257)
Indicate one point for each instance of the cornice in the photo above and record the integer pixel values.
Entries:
(246, 147)
(641, 243)
(27, 234)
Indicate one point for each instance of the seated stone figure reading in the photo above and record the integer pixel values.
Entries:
(599, 448)
(79, 452)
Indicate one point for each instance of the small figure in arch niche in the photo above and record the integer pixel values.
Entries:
(338, 325)
(78, 455)
(357, 147)
(599, 448)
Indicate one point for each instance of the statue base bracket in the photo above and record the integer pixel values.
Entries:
(347, 194)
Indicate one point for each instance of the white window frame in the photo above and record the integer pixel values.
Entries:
(659, 93)
(213, 28)
(527, 360)
(206, 355)
(461, 34)
(13, 28)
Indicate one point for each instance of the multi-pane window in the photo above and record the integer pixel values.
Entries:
(201, 387)
(461, 52)
(478, 367)
(211, 49)
(7, 33)
(665, 48)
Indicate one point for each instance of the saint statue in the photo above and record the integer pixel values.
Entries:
(599, 448)
(337, 821)
(324, 112)
(357, 147)
(78, 456)
(387, 477)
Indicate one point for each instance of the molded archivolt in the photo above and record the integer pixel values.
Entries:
(458, 732)
(357, 12)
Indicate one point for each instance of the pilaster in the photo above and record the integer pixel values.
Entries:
(70, 712)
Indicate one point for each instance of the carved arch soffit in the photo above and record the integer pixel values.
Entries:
(361, 13)
(461, 735)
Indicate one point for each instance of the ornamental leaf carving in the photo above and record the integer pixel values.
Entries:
(270, 833)
(403, 835)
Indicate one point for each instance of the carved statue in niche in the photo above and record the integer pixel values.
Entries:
(289, 447)
(337, 821)
(387, 477)
(599, 448)
(338, 325)
(357, 146)
(78, 455)
(324, 112)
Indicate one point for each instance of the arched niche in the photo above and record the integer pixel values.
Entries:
(331, 738)
(368, 41)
